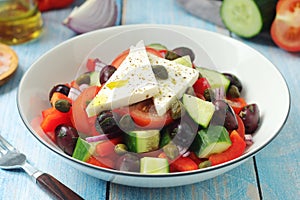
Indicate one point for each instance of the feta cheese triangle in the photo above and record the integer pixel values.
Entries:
(179, 79)
(134, 81)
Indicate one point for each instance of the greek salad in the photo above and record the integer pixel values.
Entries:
(151, 110)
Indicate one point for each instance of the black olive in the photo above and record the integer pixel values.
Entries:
(184, 51)
(251, 117)
(59, 88)
(106, 123)
(234, 81)
(106, 73)
(224, 115)
(66, 138)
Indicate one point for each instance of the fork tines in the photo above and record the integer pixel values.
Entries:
(4, 144)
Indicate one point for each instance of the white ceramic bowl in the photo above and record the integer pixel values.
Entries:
(262, 82)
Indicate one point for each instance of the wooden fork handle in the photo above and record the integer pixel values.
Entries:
(55, 188)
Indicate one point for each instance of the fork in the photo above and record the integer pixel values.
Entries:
(11, 158)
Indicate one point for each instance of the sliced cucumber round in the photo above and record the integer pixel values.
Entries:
(247, 18)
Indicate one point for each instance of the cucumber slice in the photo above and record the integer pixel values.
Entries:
(153, 165)
(83, 150)
(165, 137)
(214, 139)
(157, 46)
(215, 78)
(184, 60)
(142, 141)
(95, 80)
(247, 18)
(200, 111)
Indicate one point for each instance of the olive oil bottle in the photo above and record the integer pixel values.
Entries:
(20, 21)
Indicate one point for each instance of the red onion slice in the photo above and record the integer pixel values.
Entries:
(74, 93)
(248, 139)
(92, 15)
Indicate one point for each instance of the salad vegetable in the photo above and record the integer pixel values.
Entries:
(248, 18)
(45, 5)
(147, 113)
(92, 15)
(285, 30)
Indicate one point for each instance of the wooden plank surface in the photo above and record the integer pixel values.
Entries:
(279, 163)
(15, 185)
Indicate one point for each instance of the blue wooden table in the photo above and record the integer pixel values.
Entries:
(272, 174)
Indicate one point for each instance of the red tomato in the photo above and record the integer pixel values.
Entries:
(101, 162)
(145, 115)
(241, 126)
(81, 121)
(200, 86)
(107, 148)
(236, 149)
(237, 104)
(182, 164)
(45, 5)
(119, 59)
(90, 64)
(163, 52)
(195, 158)
(285, 29)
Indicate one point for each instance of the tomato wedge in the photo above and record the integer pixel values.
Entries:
(101, 162)
(200, 86)
(81, 121)
(107, 147)
(237, 104)
(285, 29)
(119, 59)
(145, 115)
(241, 126)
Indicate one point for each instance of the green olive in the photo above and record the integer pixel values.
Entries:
(160, 72)
(234, 92)
(171, 150)
(209, 94)
(170, 55)
(120, 149)
(84, 79)
(63, 105)
(204, 164)
(176, 109)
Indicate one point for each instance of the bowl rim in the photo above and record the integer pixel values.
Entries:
(241, 158)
